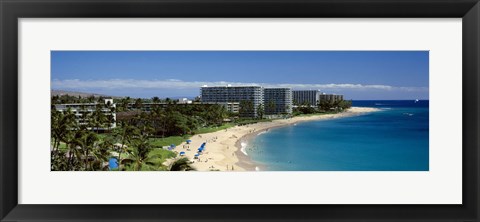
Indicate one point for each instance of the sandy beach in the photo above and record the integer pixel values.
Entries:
(223, 148)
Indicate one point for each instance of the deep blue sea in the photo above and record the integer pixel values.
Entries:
(393, 139)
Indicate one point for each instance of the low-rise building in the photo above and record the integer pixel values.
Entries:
(184, 101)
(83, 111)
(233, 107)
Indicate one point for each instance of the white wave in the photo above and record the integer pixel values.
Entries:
(244, 148)
(263, 132)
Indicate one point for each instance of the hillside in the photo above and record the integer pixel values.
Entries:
(81, 94)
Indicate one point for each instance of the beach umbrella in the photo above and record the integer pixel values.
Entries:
(172, 145)
(182, 153)
(200, 149)
(196, 154)
(112, 163)
(189, 141)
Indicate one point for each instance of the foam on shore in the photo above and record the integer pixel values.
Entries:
(244, 148)
(263, 132)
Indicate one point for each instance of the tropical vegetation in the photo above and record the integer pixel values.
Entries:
(143, 128)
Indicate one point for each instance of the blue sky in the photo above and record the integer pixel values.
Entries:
(355, 74)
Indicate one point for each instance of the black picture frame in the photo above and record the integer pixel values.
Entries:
(11, 11)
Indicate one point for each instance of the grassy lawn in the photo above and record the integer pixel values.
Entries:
(167, 141)
(101, 136)
(214, 129)
(164, 153)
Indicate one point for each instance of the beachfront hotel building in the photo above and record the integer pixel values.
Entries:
(225, 95)
(277, 101)
(82, 110)
(331, 97)
(313, 97)
(306, 97)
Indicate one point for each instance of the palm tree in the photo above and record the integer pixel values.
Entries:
(74, 142)
(158, 119)
(102, 153)
(271, 107)
(155, 99)
(260, 111)
(88, 140)
(139, 157)
(214, 114)
(124, 102)
(127, 134)
(91, 99)
(138, 103)
(99, 118)
(246, 108)
(61, 124)
(182, 164)
(54, 99)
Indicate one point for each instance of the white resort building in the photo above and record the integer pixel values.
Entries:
(234, 94)
(306, 97)
(82, 110)
(277, 101)
(330, 97)
(313, 97)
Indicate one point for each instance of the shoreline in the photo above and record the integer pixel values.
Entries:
(223, 148)
(246, 161)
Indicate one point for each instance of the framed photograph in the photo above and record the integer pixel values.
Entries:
(225, 110)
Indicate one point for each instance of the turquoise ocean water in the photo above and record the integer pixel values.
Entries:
(393, 139)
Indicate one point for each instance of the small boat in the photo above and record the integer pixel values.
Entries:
(416, 101)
